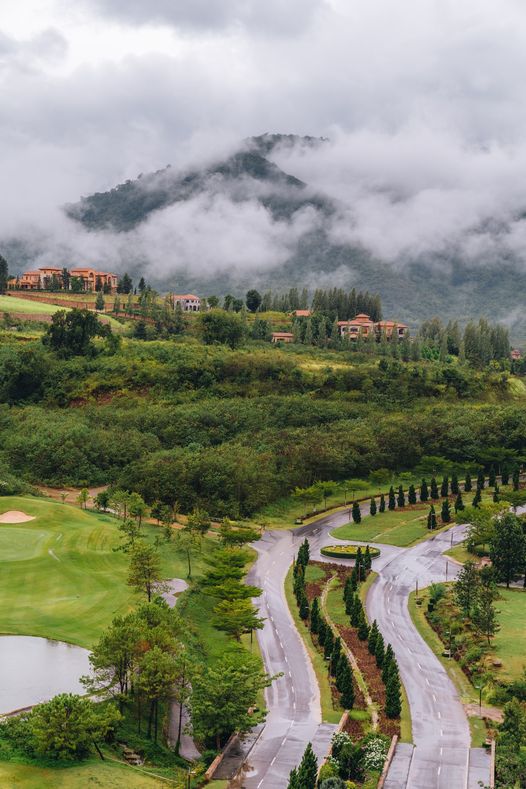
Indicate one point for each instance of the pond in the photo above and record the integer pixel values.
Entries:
(36, 669)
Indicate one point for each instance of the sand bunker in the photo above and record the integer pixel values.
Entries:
(15, 516)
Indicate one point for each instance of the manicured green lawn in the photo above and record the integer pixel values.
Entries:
(93, 773)
(396, 527)
(60, 576)
(510, 642)
(13, 304)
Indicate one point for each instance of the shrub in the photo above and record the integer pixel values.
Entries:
(347, 551)
(375, 752)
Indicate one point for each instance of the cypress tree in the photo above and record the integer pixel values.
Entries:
(354, 579)
(314, 615)
(308, 769)
(454, 484)
(411, 496)
(424, 493)
(492, 478)
(392, 501)
(401, 496)
(322, 630)
(481, 480)
(516, 478)
(434, 489)
(467, 483)
(373, 635)
(444, 488)
(367, 561)
(431, 518)
(388, 662)
(379, 650)
(335, 656)
(393, 699)
(293, 780)
(505, 475)
(496, 494)
(363, 627)
(356, 513)
(356, 611)
(346, 687)
(328, 643)
(372, 508)
(459, 504)
(446, 511)
(340, 671)
(382, 503)
(358, 564)
(304, 607)
(477, 498)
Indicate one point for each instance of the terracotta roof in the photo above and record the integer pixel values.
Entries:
(302, 313)
(282, 334)
(49, 268)
(392, 324)
(31, 273)
(186, 296)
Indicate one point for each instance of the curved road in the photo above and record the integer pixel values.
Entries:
(442, 756)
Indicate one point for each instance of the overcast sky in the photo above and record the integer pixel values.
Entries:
(424, 102)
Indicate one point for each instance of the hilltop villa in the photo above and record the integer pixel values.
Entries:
(363, 326)
(188, 302)
(46, 276)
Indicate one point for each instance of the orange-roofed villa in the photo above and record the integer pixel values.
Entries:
(362, 326)
(46, 276)
(188, 302)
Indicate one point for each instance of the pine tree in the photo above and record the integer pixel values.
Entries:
(346, 687)
(401, 496)
(367, 561)
(328, 643)
(431, 518)
(379, 650)
(293, 780)
(481, 480)
(356, 611)
(411, 496)
(335, 656)
(308, 770)
(340, 671)
(444, 488)
(372, 508)
(424, 493)
(358, 564)
(515, 478)
(314, 615)
(505, 476)
(468, 486)
(496, 494)
(363, 627)
(373, 635)
(393, 699)
(434, 489)
(477, 498)
(354, 579)
(389, 659)
(356, 513)
(446, 511)
(392, 500)
(322, 630)
(454, 484)
(382, 503)
(492, 478)
(304, 607)
(459, 504)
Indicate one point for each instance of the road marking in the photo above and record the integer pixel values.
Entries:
(427, 683)
(290, 675)
(441, 732)
(439, 715)
(259, 784)
(441, 751)
(273, 760)
(419, 666)
(434, 698)
(438, 771)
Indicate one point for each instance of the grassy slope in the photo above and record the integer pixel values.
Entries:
(14, 304)
(93, 773)
(61, 577)
(329, 714)
(397, 527)
(510, 642)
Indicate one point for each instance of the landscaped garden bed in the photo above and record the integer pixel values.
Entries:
(347, 551)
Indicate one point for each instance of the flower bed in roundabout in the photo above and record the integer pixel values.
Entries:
(348, 551)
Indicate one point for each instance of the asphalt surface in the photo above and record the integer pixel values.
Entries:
(442, 756)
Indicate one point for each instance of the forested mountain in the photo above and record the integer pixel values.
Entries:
(413, 289)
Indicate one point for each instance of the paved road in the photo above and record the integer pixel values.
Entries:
(442, 756)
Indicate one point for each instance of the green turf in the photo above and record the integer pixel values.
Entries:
(396, 527)
(13, 304)
(510, 642)
(59, 574)
(93, 773)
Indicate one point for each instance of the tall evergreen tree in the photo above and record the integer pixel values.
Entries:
(424, 493)
(389, 660)
(516, 478)
(356, 512)
(293, 779)
(496, 494)
(411, 496)
(372, 508)
(477, 498)
(492, 477)
(468, 486)
(356, 611)
(454, 484)
(459, 504)
(379, 650)
(314, 615)
(373, 635)
(401, 496)
(481, 480)
(322, 630)
(444, 488)
(363, 627)
(367, 561)
(393, 698)
(382, 503)
(431, 518)
(329, 643)
(304, 607)
(392, 500)
(335, 656)
(308, 770)
(446, 512)
(346, 686)
(505, 476)
(434, 489)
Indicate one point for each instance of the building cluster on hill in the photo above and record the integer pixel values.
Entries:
(75, 279)
(361, 327)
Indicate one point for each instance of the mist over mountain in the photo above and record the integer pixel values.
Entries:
(252, 219)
